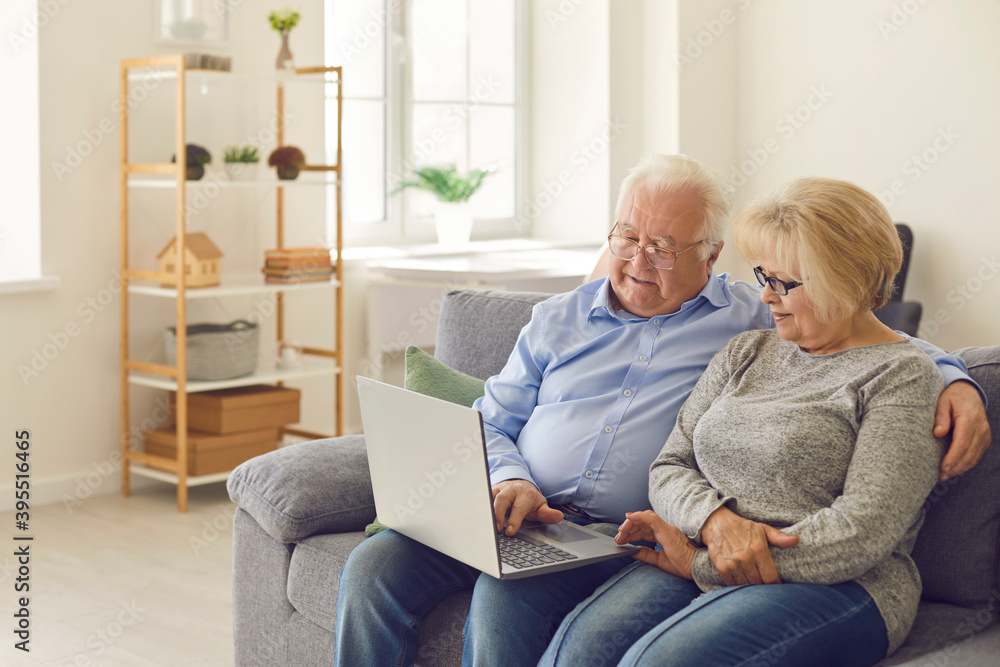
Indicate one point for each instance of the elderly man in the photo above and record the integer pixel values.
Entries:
(583, 406)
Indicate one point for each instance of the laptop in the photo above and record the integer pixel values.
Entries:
(430, 476)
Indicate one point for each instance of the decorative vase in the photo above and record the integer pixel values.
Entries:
(453, 223)
(242, 171)
(194, 172)
(285, 62)
(288, 172)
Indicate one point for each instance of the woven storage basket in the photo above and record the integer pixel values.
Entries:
(217, 351)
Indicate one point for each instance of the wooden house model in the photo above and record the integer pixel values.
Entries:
(201, 261)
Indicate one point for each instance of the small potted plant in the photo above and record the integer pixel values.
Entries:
(289, 160)
(452, 217)
(241, 162)
(282, 22)
(197, 158)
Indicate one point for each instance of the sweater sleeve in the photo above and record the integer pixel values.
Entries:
(893, 468)
(678, 492)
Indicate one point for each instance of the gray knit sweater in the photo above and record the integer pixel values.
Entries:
(834, 448)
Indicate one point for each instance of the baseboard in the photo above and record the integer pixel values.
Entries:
(72, 491)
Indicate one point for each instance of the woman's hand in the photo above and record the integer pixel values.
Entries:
(678, 552)
(740, 548)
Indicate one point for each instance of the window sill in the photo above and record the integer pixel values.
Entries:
(40, 284)
(366, 254)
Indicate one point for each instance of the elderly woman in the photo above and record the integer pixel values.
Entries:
(820, 428)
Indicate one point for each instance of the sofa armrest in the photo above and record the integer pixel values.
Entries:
(311, 488)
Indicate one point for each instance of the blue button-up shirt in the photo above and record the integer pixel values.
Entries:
(589, 395)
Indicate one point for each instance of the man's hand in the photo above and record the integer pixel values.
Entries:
(524, 501)
(739, 550)
(677, 555)
(960, 410)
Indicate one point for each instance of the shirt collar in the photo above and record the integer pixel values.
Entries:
(716, 292)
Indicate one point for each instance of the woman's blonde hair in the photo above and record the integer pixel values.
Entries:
(835, 238)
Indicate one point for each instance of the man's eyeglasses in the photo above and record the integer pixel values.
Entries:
(658, 257)
(779, 286)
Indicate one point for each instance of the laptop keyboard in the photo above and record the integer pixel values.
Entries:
(521, 552)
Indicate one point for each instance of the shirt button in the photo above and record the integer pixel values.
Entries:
(608, 429)
(589, 473)
(642, 357)
(656, 323)
(628, 392)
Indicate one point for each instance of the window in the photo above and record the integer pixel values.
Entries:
(20, 223)
(426, 82)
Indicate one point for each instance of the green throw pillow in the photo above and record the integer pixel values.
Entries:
(427, 375)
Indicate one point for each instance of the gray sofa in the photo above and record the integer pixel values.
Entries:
(302, 509)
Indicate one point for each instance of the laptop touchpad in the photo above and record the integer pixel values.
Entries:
(562, 532)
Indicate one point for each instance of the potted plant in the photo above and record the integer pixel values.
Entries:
(452, 217)
(282, 22)
(241, 162)
(197, 158)
(289, 160)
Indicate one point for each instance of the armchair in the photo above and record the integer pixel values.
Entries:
(902, 315)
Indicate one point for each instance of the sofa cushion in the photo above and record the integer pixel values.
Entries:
(477, 329)
(307, 489)
(427, 375)
(958, 548)
(313, 575)
(955, 633)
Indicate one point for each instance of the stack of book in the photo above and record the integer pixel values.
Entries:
(297, 265)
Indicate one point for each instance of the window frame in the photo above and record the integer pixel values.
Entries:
(21, 233)
(398, 227)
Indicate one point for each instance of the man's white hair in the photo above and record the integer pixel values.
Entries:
(665, 175)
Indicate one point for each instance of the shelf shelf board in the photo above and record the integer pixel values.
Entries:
(266, 373)
(227, 183)
(209, 76)
(171, 478)
(245, 285)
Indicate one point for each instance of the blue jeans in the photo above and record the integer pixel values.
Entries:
(390, 582)
(644, 616)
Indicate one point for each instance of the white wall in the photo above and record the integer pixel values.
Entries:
(572, 125)
(706, 97)
(602, 94)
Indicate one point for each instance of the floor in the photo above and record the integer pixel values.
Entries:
(124, 581)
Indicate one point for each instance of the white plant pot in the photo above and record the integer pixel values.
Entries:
(242, 171)
(453, 223)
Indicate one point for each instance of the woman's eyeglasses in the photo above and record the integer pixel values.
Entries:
(780, 287)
